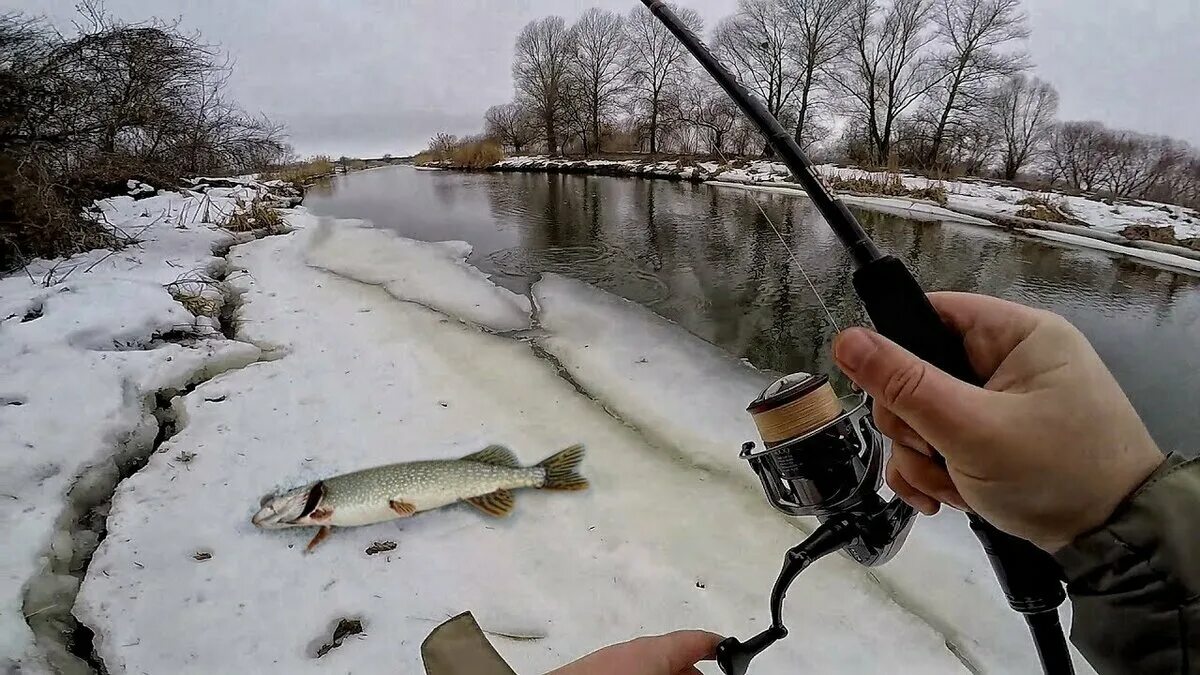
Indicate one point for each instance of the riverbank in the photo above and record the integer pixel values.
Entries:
(1161, 234)
(133, 421)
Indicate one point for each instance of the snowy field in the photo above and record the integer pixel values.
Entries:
(352, 347)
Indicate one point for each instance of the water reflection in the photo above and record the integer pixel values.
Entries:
(706, 258)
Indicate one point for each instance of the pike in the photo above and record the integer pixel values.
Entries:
(483, 479)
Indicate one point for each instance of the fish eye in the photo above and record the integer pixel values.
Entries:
(266, 500)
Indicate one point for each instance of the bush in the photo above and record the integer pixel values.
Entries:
(302, 173)
(81, 114)
(473, 152)
(258, 216)
(478, 154)
(1041, 208)
(888, 185)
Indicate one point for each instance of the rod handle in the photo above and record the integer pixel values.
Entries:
(1029, 576)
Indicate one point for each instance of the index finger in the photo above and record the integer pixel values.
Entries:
(990, 327)
(684, 648)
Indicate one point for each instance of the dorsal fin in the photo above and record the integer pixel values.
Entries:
(494, 454)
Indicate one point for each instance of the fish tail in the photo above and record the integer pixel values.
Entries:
(561, 470)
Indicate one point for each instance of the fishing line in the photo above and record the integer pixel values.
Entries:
(808, 280)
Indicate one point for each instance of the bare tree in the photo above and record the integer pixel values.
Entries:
(1079, 152)
(818, 43)
(886, 71)
(599, 67)
(757, 43)
(708, 109)
(543, 50)
(1023, 110)
(978, 38)
(512, 125)
(657, 61)
(1138, 163)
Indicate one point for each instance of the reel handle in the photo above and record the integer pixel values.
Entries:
(897, 305)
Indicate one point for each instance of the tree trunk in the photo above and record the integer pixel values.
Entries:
(654, 127)
(939, 134)
(551, 136)
(596, 128)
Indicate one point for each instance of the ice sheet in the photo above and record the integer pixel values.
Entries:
(400, 266)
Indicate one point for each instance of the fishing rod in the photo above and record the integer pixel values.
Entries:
(822, 460)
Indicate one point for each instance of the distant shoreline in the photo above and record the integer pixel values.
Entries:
(1131, 228)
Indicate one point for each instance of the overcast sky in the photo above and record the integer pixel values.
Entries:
(358, 77)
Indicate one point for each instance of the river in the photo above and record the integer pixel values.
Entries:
(706, 258)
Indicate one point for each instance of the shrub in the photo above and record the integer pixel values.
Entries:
(1041, 208)
(478, 154)
(889, 185)
(472, 152)
(302, 173)
(258, 216)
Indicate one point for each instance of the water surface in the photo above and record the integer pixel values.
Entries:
(706, 258)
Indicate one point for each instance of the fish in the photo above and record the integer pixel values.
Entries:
(483, 479)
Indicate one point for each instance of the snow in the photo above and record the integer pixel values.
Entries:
(1171, 261)
(400, 267)
(82, 355)
(356, 347)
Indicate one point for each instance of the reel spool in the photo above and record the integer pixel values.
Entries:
(819, 458)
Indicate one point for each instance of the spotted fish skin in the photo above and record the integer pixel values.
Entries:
(483, 479)
(365, 497)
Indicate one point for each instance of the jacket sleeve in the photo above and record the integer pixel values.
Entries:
(1135, 582)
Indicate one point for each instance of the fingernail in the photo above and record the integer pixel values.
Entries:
(852, 348)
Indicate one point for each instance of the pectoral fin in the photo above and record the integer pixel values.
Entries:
(318, 538)
(402, 509)
(499, 503)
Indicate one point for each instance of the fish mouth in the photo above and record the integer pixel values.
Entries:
(267, 519)
(288, 510)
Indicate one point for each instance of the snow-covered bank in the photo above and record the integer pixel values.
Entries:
(372, 377)
(385, 349)
(971, 201)
(90, 347)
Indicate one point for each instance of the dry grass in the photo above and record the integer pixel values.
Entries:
(1042, 208)
(258, 216)
(889, 185)
(470, 153)
(199, 294)
(1162, 235)
(302, 173)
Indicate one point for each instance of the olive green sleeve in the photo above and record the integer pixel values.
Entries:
(1135, 582)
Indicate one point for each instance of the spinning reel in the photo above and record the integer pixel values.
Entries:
(819, 458)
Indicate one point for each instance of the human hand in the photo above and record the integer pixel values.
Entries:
(1046, 450)
(671, 654)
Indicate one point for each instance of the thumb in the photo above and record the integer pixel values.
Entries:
(936, 405)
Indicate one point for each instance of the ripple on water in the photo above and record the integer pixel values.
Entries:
(604, 266)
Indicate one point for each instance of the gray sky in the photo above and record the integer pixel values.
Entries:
(372, 76)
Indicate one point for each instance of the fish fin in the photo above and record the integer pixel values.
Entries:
(561, 469)
(318, 538)
(402, 508)
(494, 454)
(499, 503)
